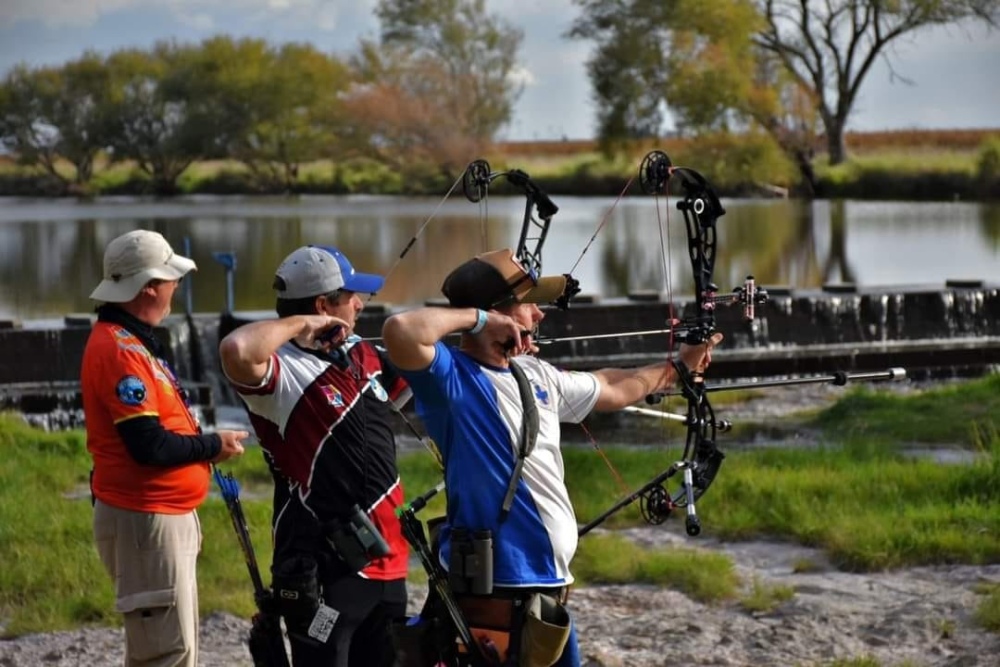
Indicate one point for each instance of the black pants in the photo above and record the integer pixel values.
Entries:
(362, 635)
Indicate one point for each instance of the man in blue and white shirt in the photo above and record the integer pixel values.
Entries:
(471, 405)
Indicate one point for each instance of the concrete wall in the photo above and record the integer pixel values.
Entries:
(797, 331)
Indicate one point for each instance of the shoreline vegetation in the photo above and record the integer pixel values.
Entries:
(857, 496)
(941, 165)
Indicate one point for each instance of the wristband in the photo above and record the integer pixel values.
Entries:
(481, 317)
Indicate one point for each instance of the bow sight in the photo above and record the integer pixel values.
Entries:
(701, 209)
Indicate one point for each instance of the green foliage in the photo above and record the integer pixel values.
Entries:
(476, 49)
(157, 129)
(764, 597)
(987, 612)
(703, 576)
(733, 64)
(866, 505)
(51, 577)
(917, 417)
(366, 176)
(864, 661)
(738, 162)
(988, 163)
(806, 565)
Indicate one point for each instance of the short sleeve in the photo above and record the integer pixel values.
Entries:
(394, 383)
(434, 385)
(578, 393)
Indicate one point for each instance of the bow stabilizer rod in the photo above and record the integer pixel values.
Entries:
(838, 379)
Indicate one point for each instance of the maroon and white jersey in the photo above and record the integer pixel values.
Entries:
(324, 423)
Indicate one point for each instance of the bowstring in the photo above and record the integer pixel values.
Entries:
(419, 232)
(484, 215)
(619, 479)
(604, 221)
(616, 475)
(666, 253)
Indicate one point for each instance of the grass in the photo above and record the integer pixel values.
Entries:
(707, 577)
(958, 414)
(764, 597)
(988, 610)
(869, 507)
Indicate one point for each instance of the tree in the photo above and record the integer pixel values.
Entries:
(440, 82)
(401, 114)
(779, 64)
(23, 126)
(274, 109)
(829, 48)
(58, 114)
(155, 125)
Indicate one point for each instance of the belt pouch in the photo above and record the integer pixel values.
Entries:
(545, 631)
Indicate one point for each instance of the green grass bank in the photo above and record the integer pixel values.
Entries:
(859, 497)
(932, 165)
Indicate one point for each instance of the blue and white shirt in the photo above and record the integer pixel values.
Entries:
(473, 412)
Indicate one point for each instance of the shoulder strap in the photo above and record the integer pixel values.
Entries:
(529, 434)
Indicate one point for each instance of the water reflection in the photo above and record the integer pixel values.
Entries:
(50, 251)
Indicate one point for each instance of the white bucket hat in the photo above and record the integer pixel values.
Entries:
(132, 260)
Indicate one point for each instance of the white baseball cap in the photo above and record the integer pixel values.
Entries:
(315, 269)
(132, 260)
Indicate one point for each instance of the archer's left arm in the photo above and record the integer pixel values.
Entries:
(621, 387)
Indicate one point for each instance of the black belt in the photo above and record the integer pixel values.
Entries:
(560, 593)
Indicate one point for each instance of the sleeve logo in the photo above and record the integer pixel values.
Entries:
(333, 397)
(131, 390)
(378, 389)
(541, 394)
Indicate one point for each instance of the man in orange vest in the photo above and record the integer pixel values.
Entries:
(151, 460)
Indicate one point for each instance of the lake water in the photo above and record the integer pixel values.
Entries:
(51, 250)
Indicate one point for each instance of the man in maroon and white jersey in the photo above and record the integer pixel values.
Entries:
(319, 400)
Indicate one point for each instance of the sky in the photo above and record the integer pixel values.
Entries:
(953, 71)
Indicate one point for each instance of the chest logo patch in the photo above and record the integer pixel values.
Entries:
(378, 389)
(131, 390)
(541, 394)
(333, 397)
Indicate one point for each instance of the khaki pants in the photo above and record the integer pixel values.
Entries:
(152, 559)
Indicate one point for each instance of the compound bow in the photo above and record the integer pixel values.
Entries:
(701, 459)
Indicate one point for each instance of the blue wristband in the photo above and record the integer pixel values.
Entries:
(481, 317)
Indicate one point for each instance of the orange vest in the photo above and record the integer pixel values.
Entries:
(120, 379)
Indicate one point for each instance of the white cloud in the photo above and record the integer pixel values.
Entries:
(54, 13)
(199, 21)
(517, 12)
(522, 76)
(58, 12)
(327, 19)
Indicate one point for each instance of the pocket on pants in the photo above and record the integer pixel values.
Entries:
(152, 625)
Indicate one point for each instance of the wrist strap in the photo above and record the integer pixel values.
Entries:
(481, 317)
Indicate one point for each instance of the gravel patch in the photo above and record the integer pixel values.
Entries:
(918, 617)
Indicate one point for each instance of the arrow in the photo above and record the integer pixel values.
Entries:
(648, 332)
